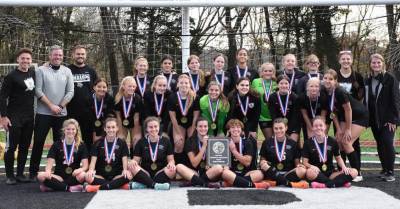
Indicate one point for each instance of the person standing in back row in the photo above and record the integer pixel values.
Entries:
(54, 90)
(80, 106)
(17, 114)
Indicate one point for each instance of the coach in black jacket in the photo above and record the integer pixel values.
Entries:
(382, 98)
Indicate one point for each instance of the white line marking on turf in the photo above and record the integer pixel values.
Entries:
(349, 198)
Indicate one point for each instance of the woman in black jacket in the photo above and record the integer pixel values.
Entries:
(382, 98)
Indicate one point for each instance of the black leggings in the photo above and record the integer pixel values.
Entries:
(384, 140)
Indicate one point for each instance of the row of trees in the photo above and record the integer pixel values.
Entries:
(115, 36)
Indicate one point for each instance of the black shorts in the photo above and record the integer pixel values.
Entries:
(265, 124)
(361, 121)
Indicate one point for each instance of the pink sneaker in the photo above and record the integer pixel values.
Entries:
(347, 185)
(44, 188)
(76, 188)
(315, 184)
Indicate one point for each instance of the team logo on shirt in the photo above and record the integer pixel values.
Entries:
(251, 105)
(30, 84)
(79, 78)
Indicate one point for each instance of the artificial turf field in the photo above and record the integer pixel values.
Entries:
(371, 193)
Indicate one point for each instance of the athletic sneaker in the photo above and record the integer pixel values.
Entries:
(318, 185)
(76, 188)
(261, 185)
(347, 185)
(22, 179)
(300, 185)
(92, 188)
(125, 186)
(358, 179)
(44, 188)
(214, 185)
(136, 185)
(11, 181)
(271, 183)
(389, 177)
(161, 186)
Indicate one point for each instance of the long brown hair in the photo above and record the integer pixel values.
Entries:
(201, 72)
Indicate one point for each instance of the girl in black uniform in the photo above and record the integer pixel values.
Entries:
(67, 154)
(143, 81)
(382, 98)
(353, 82)
(318, 153)
(280, 160)
(241, 69)
(168, 71)
(183, 107)
(238, 175)
(127, 108)
(153, 164)
(198, 172)
(350, 117)
(312, 103)
(311, 66)
(290, 69)
(196, 75)
(155, 103)
(283, 104)
(108, 167)
(218, 74)
(102, 106)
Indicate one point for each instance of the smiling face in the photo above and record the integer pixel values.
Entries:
(376, 65)
(329, 81)
(280, 130)
(70, 131)
(183, 85)
(111, 129)
(194, 65)
(142, 66)
(283, 86)
(202, 128)
(313, 87)
(79, 56)
(129, 87)
(319, 128)
(24, 61)
(219, 63)
(235, 131)
(242, 56)
(166, 66)
(289, 62)
(153, 128)
(214, 92)
(243, 87)
(345, 61)
(56, 57)
(100, 89)
(267, 71)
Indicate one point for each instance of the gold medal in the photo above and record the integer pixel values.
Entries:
(108, 168)
(213, 126)
(244, 119)
(324, 167)
(153, 166)
(202, 165)
(97, 123)
(68, 170)
(280, 166)
(184, 120)
(125, 122)
(332, 115)
(240, 167)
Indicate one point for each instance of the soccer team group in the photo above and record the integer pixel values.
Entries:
(156, 129)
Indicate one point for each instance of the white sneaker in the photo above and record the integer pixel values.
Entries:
(358, 179)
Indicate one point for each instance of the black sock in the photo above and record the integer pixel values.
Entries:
(143, 178)
(55, 184)
(271, 173)
(197, 181)
(114, 184)
(292, 177)
(339, 180)
(242, 182)
(321, 178)
(354, 161)
(98, 181)
(161, 178)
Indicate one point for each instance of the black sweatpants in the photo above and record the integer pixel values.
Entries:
(384, 140)
(18, 135)
(43, 123)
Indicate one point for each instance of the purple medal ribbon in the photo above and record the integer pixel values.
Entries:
(238, 71)
(183, 108)
(267, 93)
(159, 105)
(142, 88)
(153, 153)
(213, 111)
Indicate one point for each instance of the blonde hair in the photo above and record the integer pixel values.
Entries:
(191, 93)
(234, 122)
(310, 58)
(148, 120)
(289, 55)
(221, 96)
(72, 121)
(345, 52)
(201, 72)
(266, 65)
(120, 93)
(137, 61)
(156, 79)
(379, 57)
(310, 81)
